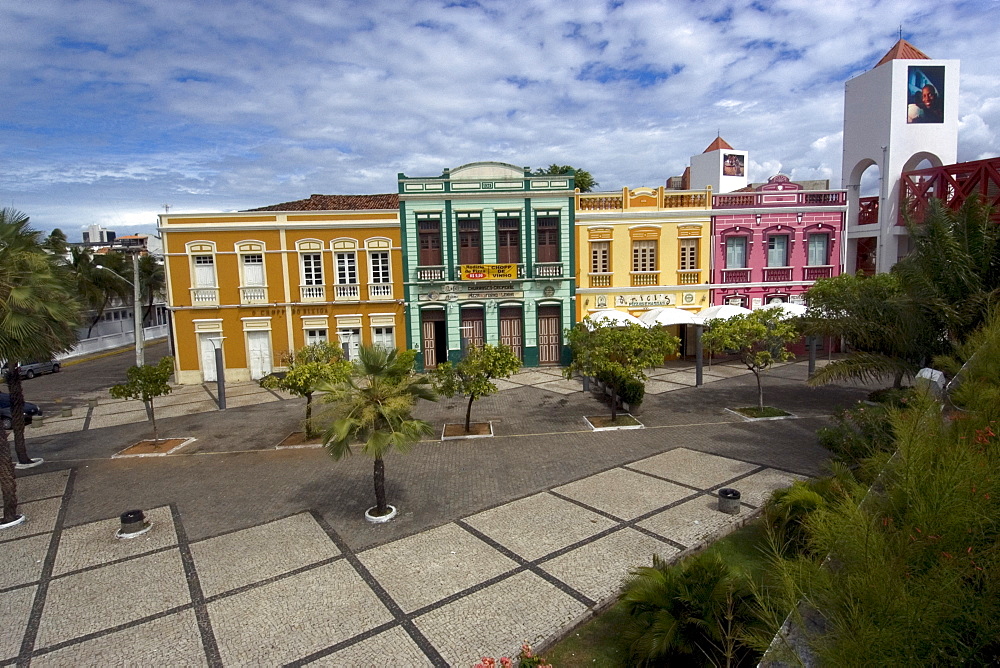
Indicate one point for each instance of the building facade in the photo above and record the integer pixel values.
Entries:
(488, 258)
(643, 248)
(772, 244)
(267, 282)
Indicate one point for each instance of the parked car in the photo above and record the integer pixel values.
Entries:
(30, 411)
(32, 369)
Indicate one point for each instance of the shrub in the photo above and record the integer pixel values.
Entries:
(630, 390)
(786, 514)
(891, 396)
(858, 433)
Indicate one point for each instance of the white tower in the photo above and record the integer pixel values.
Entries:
(896, 115)
(720, 166)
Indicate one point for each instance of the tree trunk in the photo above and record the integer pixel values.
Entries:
(468, 413)
(7, 483)
(309, 413)
(897, 382)
(152, 416)
(760, 392)
(17, 413)
(381, 508)
(614, 403)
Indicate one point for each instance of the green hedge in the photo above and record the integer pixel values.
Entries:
(630, 390)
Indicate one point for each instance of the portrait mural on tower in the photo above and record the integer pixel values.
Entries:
(925, 94)
(732, 164)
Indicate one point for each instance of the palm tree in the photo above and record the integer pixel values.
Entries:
(96, 287)
(373, 407)
(687, 613)
(152, 282)
(38, 312)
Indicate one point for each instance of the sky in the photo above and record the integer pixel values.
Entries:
(113, 109)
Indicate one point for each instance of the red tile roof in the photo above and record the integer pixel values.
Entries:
(718, 144)
(903, 50)
(337, 203)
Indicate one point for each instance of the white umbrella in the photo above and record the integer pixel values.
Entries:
(788, 309)
(612, 318)
(670, 316)
(723, 312)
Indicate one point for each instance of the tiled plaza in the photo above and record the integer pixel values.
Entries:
(291, 592)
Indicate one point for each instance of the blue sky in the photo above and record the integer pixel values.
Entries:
(113, 108)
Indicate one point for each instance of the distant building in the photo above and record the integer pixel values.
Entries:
(132, 241)
(95, 235)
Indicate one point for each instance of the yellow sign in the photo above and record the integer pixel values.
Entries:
(488, 272)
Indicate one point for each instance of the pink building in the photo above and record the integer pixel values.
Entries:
(772, 243)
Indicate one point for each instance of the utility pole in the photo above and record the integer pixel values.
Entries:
(137, 311)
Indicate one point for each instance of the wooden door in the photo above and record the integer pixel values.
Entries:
(431, 323)
(549, 335)
(510, 330)
(259, 348)
(207, 350)
(472, 326)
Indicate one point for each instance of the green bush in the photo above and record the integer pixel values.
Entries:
(891, 396)
(630, 390)
(858, 433)
(786, 514)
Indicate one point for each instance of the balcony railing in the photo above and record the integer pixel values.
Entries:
(777, 274)
(313, 293)
(778, 198)
(640, 278)
(643, 199)
(689, 277)
(253, 295)
(204, 296)
(868, 211)
(379, 291)
(347, 292)
(548, 270)
(736, 275)
(600, 279)
(817, 272)
(430, 273)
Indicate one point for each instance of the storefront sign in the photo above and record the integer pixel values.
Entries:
(488, 272)
(650, 299)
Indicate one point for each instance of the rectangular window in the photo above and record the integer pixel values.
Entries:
(469, 239)
(347, 269)
(382, 337)
(253, 270)
(547, 226)
(689, 254)
(600, 257)
(644, 255)
(315, 336)
(508, 239)
(204, 271)
(777, 250)
(379, 264)
(736, 253)
(312, 269)
(429, 239)
(819, 246)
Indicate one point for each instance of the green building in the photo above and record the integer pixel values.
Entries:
(488, 258)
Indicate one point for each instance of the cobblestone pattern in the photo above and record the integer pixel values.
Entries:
(623, 493)
(252, 555)
(433, 565)
(597, 569)
(95, 543)
(41, 517)
(756, 488)
(696, 469)
(172, 640)
(41, 486)
(107, 597)
(295, 616)
(495, 621)
(389, 649)
(22, 560)
(15, 608)
(539, 525)
(691, 522)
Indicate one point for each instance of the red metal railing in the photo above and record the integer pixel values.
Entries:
(952, 184)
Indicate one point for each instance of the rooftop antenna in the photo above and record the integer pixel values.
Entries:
(166, 208)
(900, 31)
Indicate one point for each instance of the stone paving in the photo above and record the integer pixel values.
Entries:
(291, 592)
(259, 557)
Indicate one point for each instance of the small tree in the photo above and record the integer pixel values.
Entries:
(308, 367)
(583, 179)
(473, 376)
(618, 353)
(759, 339)
(146, 382)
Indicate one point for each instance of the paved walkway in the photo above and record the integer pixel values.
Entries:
(259, 556)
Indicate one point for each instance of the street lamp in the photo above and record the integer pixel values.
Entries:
(136, 307)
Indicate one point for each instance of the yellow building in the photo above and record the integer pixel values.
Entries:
(265, 282)
(643, 248)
